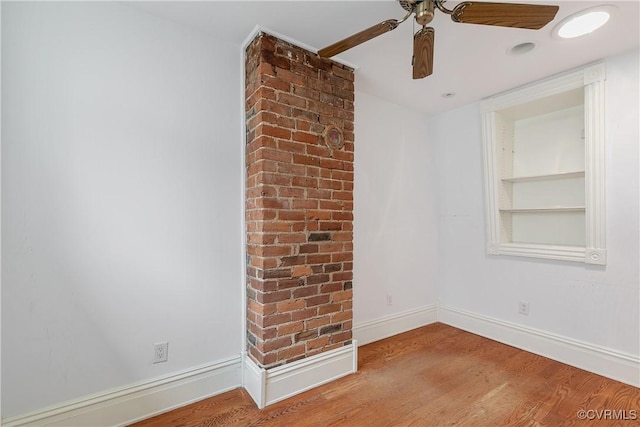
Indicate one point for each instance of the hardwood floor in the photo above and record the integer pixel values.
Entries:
(434, 376)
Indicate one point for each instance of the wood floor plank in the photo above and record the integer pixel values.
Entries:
(432, 376)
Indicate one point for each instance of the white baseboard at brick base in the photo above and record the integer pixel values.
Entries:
(139, 401)
(603, 361)
(385, 327)
(267, 386)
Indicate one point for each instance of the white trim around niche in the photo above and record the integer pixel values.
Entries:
(592, 79)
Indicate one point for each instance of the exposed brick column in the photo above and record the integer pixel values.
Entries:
(299, 203)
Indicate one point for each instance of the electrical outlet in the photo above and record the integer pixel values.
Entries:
(389, 299)
(523, 308)
(160, 352)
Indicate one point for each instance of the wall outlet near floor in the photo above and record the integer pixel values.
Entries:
(389, 299)
(160, 352)
(523, 308)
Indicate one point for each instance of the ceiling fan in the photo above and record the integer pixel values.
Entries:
(515, 15)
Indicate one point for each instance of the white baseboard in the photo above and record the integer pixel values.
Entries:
(137, 402)
(267, 386)
(603, 361)
(388, 326)
(144, 400)
(254, 380)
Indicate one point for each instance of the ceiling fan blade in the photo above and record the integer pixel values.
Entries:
(423, 52)
(530, 16)
(358, 38)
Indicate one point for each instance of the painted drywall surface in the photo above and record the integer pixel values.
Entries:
(597, 305)
(395, 214)
(121, 198)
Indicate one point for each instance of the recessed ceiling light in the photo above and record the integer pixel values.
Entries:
(521, 49)
(583, 22)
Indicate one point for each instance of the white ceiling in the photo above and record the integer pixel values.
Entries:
(470, 60)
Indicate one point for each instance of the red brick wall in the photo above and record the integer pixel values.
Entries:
(299, 203)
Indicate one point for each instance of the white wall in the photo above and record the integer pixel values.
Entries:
(121, 194)
(395, 211)
(596, 305)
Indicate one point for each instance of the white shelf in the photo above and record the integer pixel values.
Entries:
(547, 177)
(542, 210)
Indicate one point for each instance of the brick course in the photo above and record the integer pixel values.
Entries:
(299, 203)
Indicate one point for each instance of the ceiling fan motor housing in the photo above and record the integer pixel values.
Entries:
(423, 9)
(424, 12)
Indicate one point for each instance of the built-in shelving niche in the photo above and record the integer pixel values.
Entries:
(544, 168)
